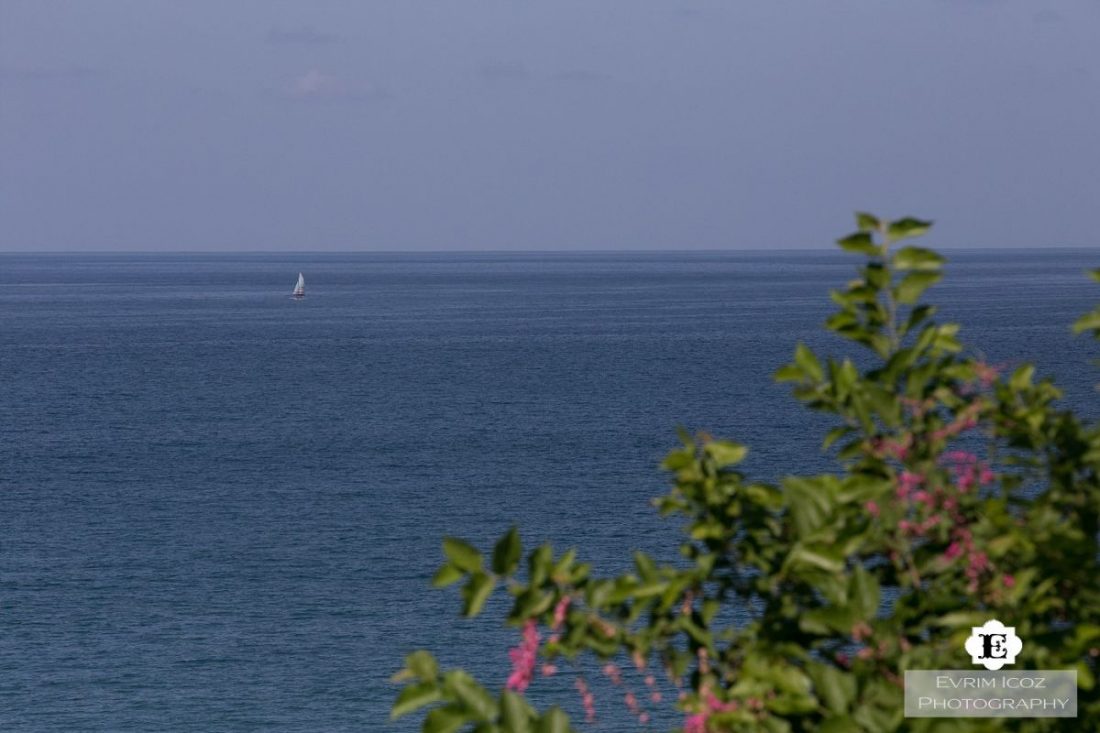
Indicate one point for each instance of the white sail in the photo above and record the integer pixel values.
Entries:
(300, 287)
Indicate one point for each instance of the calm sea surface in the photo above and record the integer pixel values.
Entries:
(220, 508)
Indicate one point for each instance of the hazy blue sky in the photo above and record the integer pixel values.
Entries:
(470, 124)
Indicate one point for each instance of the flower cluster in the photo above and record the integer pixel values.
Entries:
(697, 722)
(523, 658)
(938, 501)
(588, 700)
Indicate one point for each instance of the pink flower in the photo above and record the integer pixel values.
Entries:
(588, 700)
(987, 374)
(559, 612)
(549, 670)
(717, 706)
(953, 551)
(523, 658)
(696, 723)
(960, 456)
(872, 508)
(907, 482)
(1009, 581)
(899, 450)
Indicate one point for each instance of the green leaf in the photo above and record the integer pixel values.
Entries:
(917, 258)
(540, 563)
(554, 720)
(476, 592)
(959, 619)
(907, 227)
(876, 276)
(1021, 378)
(864, 592)
(828, 620)
(515, 714)
(866, 222)
(678, 459)
(785, 677)
(414, 697)
(530, 603)
(473, 696)
(423, 665)
(446, 575)
(1088, 322)
(462, 554)
(507, 553)
(836, 689)
(645, 566)
(823, 558)
(647, 590)
(836, 434)
(838, 724)
(725, 453)
(810, 502)
(788, 373)
(807, 361)
(860, 243)
(889, 718)
(1086, 680)
(444, 720)
(945, 337)
(565, 563)
(917, 316)
(909, 290)
(791, 705)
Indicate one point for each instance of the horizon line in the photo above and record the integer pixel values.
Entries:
(698, 250)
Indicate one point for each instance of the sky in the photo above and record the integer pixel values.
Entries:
(401, 125)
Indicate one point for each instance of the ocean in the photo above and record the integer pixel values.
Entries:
(220, 507)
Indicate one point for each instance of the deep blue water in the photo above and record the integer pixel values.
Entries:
(220, 508)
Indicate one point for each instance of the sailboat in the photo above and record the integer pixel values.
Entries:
(300, 287)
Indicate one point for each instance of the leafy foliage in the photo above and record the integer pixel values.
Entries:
(961, 495)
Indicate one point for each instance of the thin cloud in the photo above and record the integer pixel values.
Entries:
(315, 84)
(304, 36)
